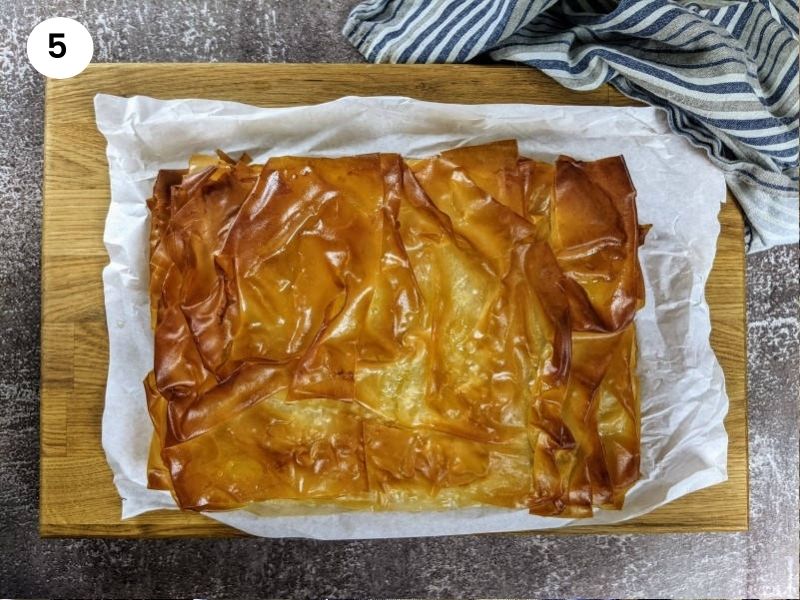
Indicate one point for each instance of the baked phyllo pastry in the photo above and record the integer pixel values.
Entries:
(385, 333)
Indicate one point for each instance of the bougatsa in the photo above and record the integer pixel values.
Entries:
(383, 333)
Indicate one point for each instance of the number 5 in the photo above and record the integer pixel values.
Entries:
(54, 43)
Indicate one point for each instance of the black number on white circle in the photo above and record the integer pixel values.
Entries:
(55, 43)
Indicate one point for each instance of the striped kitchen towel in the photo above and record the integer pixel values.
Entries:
(726, 73)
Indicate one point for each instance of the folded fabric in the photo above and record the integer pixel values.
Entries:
(726, 73)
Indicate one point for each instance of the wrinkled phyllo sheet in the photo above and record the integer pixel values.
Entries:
(383, 333)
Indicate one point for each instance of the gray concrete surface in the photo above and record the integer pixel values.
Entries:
(760, 563)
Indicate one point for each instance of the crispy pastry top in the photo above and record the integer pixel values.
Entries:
(386, 333)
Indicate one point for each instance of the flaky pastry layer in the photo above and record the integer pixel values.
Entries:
(374, 332)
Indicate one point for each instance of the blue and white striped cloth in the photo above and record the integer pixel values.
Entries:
(726, 73)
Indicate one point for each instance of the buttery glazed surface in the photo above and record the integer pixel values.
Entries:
(386, 333)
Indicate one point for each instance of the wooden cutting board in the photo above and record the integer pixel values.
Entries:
(78, 497)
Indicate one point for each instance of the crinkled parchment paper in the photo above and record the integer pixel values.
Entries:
(684, 444)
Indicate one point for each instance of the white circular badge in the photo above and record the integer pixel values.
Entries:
(60, 48)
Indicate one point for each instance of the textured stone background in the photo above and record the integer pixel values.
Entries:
(760, 563)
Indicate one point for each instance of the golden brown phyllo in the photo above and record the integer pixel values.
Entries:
(385, 333)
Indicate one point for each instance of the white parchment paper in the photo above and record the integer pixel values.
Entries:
(684, 444)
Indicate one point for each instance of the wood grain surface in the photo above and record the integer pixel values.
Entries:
(77, 496)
